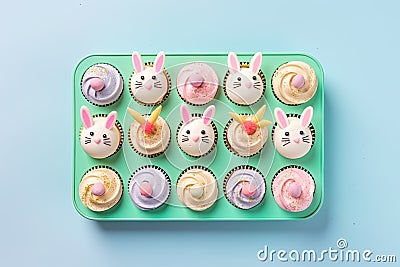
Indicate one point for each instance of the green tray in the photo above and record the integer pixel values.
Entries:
(220, 160)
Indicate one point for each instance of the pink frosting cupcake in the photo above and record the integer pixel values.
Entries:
(197, 83)
(293, 188)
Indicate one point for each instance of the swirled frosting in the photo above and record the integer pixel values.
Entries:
(294, 83)
(244, 144)
(236, 188)
(197, 83)
(152, 144)
(157, 191)
(197, 189)
(112, 189)
(293, 189)
(102, 84)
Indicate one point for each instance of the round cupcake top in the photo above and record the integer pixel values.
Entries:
(244, 187)
(102, 84)
(149, 85)
(197, 188)
(149, 135)
(197, 135)
(247, 134)
(100, 137)
(197, 83)
(100, 189)
(293, 136)
(293, 188)
(149, 187)
(294, 83)
(244, 84)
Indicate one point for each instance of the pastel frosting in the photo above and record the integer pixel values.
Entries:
(149, 188)
(102, 84)
(150, 144)
(294, 82)
(245, 188)
(197, 189)
(100, 189)
(245, 144)
(293, 189)
(197, 83)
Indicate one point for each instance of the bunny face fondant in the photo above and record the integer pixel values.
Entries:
(197, 135)
(293, 136)
(149, 84)
(100, 136)
(244, 85)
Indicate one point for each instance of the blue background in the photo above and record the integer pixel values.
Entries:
(356, 42)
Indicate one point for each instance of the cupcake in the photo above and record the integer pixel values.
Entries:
(149, 187)
(245, 135)
(102, 85)
(149, 84)
(197, 134)
(100, 188)
(244, 187)
(294, 83)
(197, 188)
(149, 135)
(197, 83)
(293, 135)
(100, 136)
(293, 188)
(244, 83)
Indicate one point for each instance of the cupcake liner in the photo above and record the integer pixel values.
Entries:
(292, 115)
(108, 104)
(243, 167)
(260, 73)
(197, 115)
(146, 155)
(290, 167)
(228, 146)
(150, 64)
(168, 180)
(119, 177)
(119, 127)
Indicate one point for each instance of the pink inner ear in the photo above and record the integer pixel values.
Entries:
(306, 116)
(233, 62)
(86, 117)
(281, 118)
(256, 63)
(185, 114)
(208, 114)
(111, 118)
(137, 62)
(159, 64)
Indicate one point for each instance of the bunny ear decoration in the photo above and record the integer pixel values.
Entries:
(260, 113)
(236, 117)
(306, 116)
(264, 123)
(208, 114)
(159, 62)
(233, 62)
(281, 118)
(137, 62)
(111, 119)
(185, 114)
(137, 116)
(154, 115)
(86, 117)
(255, 63)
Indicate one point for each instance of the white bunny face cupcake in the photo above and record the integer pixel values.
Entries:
(244, 84)
(100, 136)
(149, 84)
(293, 136)
(197, 134)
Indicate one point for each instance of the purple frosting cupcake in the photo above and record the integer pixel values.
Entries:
(149, 187)
(244, 187)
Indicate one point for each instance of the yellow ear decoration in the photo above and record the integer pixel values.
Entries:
(260, 113)
(264, 123)
(137, 116)
(154, 115)
(236, 117)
